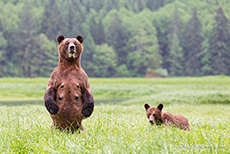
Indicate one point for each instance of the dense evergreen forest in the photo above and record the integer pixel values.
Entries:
(123, 38)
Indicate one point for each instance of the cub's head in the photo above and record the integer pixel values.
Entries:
(70, 48)
(154, 114)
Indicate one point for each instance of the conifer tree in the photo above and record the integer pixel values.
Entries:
(116, 37)
(154, 4)
(192, 45)
(28, 58)
(97, 29)
(163, 31)
(175, 57)
(220, 45)
(71, 27)
(52, 22)
(176, 52)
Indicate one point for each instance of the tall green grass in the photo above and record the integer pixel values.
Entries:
(116, 129)
(118, 123)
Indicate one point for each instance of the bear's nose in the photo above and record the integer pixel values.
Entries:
(151, 121)
(71, 47)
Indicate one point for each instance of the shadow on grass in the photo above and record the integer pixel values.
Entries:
(121, 101)
(227, 101)
(13, 103)
(111, 101)
(41, 102)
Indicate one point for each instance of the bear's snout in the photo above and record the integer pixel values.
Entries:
(71, 47)
(151, 121)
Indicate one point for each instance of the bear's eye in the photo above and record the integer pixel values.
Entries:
(148, 115)
(154, 115)
(67, 43)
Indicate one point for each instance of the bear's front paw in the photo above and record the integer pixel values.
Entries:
(88, 106)
(87, 112)
(53, 109)
(87, 109)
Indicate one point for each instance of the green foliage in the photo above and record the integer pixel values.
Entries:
(123, 71)
(144, 52)
(9, 16)
(192, 45)
(162, 72)
(117, 37)
(220, 53)
(69, 19)
(3, 44)
(50, 59)
(176, 57)
(140, 32)
(104, 60)
(52, 21)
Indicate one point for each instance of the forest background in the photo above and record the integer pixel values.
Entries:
(123, 38)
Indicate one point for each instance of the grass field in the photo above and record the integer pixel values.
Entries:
(118, 123)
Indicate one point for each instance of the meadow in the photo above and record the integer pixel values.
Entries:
(118, 123)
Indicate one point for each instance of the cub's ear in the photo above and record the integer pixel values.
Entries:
(80, 38)
(146, 106)
(160, 106)
(60, 38)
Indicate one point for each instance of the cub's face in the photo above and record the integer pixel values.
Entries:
(154, 114)
(70, 48)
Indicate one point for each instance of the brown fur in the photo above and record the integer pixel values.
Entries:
(156, 116)
(68, 97)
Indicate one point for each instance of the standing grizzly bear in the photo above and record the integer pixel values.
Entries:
(68, 97)
(155, 115)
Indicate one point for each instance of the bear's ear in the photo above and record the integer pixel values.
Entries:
(160, 106)
(146, 106)
(60, 38)
(80, 38)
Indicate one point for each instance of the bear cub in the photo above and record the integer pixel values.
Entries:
(68, 97)
(156, 116)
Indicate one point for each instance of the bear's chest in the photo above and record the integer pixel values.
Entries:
(69, 100)
(75, 77)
